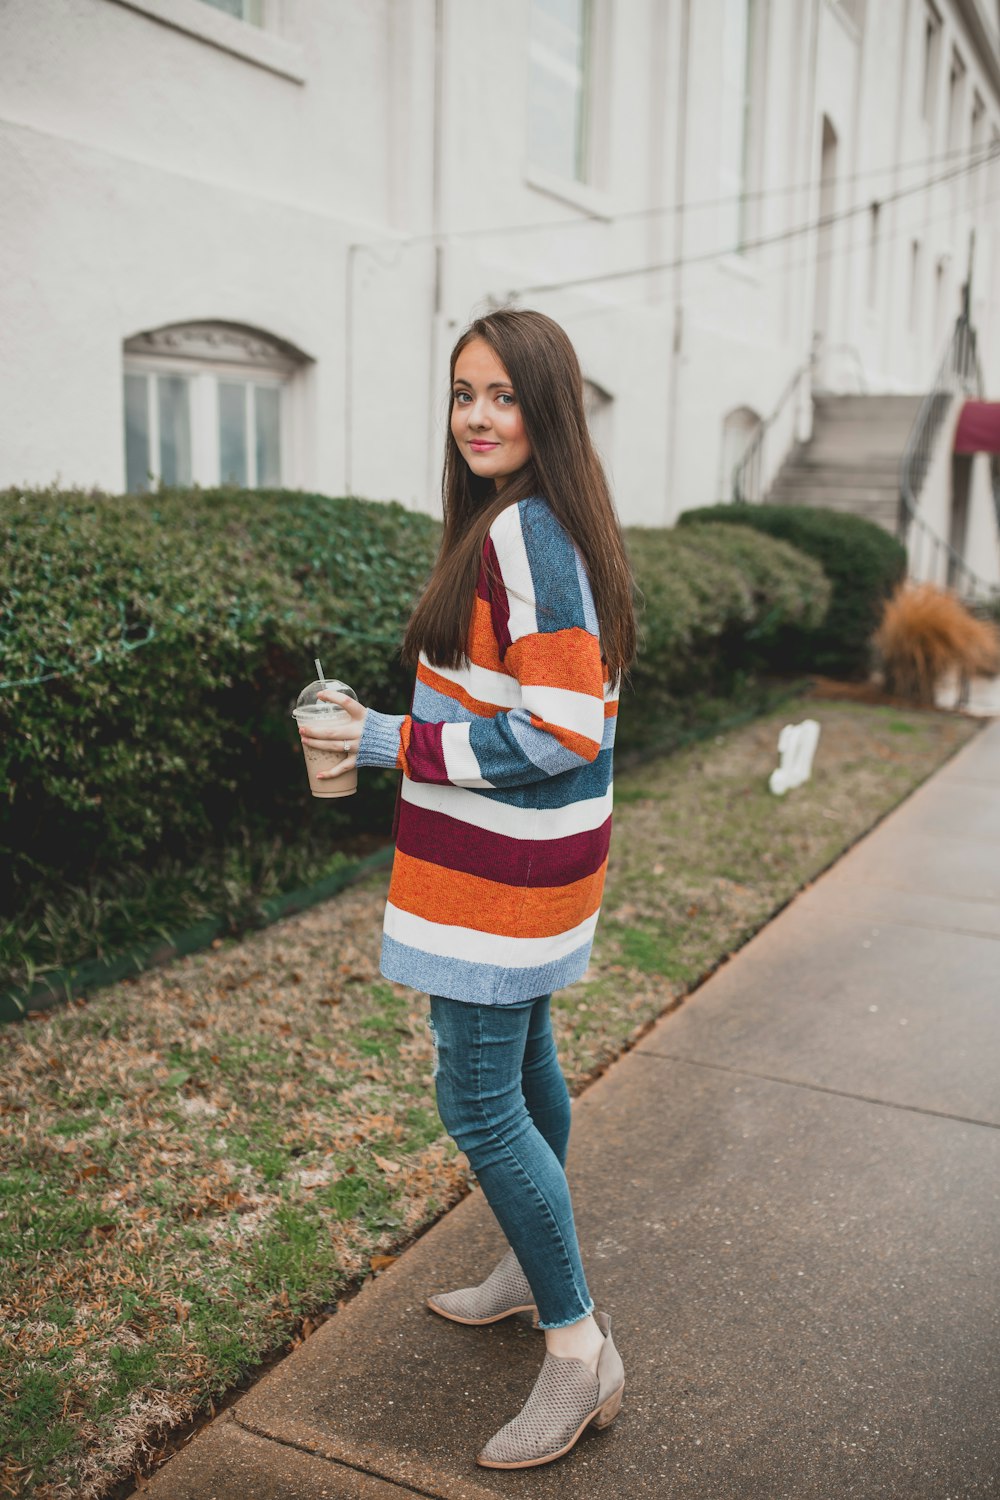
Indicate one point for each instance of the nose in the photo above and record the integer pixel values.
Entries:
(479, 413)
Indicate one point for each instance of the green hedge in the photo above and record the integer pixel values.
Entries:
(718, 605)
(152, 648)
(174, 632)
(863, 563)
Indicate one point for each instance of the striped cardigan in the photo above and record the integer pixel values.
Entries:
(504, 813)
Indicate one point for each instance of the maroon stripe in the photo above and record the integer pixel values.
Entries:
(425, 755)
(499, 607)
(454, 845)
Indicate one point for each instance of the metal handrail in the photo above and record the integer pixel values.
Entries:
(746, 472)
(957, 371)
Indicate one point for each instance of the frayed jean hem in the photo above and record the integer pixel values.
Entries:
(568, 1322)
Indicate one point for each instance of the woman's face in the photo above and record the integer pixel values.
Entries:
(486, 420)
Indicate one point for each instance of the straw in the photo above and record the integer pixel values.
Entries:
(319, 673)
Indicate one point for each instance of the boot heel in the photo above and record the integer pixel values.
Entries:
(606, 1414)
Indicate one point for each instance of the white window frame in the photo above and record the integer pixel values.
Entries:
(263, 46)
(931, 37)
(739, 220)
(589, 193)
(204, 387)
(258, 5)
(581, 172)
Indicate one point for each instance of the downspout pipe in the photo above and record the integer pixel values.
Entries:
(677, 334)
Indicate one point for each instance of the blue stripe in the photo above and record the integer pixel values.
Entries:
(592, 779)
(432, 707)
(480, 984)
(589, 609)
(552, 559)
(541, 747)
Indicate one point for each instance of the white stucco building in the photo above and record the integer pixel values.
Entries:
(240, 236)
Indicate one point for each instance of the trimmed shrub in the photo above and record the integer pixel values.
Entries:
(927, 632)
(715, 604)
(153, 647)
(863, 563)
(152, 650)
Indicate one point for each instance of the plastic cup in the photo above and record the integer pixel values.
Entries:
(309, 712)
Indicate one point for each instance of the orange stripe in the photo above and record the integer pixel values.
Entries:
(611, 709)
(580, 744)
(456, 899)
(568, 659)
(403, 754)
(481, 646)
(452, 690)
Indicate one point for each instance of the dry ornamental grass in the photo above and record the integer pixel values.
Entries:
(197, 1163)
(927, 633)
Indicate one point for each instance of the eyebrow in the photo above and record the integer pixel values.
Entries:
(494, 385)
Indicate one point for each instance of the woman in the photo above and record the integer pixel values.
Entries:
(503, 825)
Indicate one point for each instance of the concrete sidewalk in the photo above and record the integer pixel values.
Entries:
(788, 1198)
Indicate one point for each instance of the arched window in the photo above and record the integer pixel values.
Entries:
(207, 403)
(738, 428)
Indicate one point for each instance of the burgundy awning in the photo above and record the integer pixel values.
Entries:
(978, 429)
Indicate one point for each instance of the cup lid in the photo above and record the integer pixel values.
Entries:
(308, 694)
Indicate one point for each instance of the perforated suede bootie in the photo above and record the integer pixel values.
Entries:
(505, 1291)
(566, 1397)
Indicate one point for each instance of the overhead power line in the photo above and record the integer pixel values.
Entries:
(780, 237)
(860, 246)
(664, 210)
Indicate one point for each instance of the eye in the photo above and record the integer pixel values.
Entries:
(460, 396)
(506, 397)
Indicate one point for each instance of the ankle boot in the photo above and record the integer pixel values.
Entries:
(566, 1396)
(505, 1291)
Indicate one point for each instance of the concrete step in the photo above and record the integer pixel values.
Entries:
(866, 408)
(841, 479)
(879, 439)
(844, 460)
(830, 495)
(851, 463)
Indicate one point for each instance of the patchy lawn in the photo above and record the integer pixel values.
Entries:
(196, 1163)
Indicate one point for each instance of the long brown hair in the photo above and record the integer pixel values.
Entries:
(563, 467)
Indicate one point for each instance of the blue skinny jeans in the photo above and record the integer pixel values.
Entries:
(503, 1099)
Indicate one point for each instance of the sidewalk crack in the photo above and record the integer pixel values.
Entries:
(817, 1088)
(370, 1470)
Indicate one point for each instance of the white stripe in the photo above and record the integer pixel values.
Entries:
(567, 709)
(513, 558)
(482, 683)
(460, 763)
(501, 817)
(478, 947)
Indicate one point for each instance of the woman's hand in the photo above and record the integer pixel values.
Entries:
(345, 736)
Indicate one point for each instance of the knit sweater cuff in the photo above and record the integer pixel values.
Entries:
(379, 743)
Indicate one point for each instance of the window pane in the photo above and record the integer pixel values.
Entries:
(175, 429)
(557, 86)
(244, 10)
(267, 413)
(136, 434)
(733, 111)
(232, 433)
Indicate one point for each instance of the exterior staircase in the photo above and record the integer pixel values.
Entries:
(852, 460)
